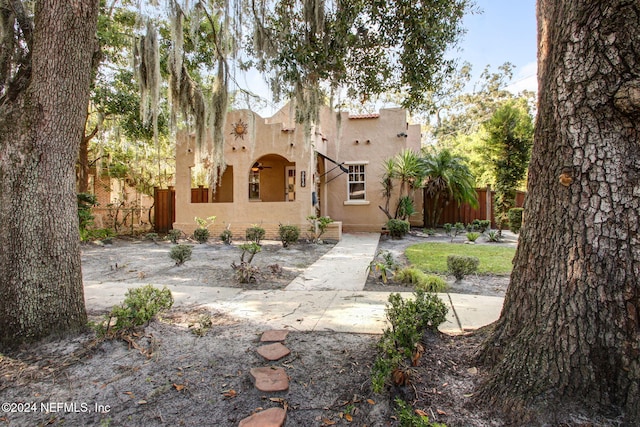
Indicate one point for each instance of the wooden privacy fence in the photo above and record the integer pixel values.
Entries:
(464, 213)
(165, 209)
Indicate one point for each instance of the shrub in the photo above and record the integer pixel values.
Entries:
(460, 265)
(255, 234)
(245, 272)
(288, 234)
(226, 236)
(140, 305)
(482, 224)
(174, 235)
(85, 202)
(515, 219)
(180, 254)
(151, 236)
(397, 228)
(472, 236)
(447, 229)
(201, 235)
(318, 226)
(408, 319)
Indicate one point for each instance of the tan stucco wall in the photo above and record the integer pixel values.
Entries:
(261, 140)
(371, 140)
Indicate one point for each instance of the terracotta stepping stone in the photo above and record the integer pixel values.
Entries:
(272, 417)
(273, 351)
(274, 335)
(269, 379)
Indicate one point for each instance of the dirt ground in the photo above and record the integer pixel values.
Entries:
(173, 376)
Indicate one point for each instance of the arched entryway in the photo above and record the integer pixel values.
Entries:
(272, 178)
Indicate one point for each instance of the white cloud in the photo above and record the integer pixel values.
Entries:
(525, 79)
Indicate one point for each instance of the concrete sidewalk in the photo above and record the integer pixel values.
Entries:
(327, 296)
(340, 311)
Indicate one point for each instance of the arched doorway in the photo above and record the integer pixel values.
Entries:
(272, 178)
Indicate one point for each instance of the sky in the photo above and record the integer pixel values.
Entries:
(504, 31)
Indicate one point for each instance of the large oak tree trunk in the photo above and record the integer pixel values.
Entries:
(41, 124)
(569, 329)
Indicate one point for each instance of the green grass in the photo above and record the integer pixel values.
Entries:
(432, 257)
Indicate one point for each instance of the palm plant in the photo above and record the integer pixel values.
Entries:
(405, 167)
(447, 178)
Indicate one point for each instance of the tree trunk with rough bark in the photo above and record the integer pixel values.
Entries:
(569, 330)
(42, 115)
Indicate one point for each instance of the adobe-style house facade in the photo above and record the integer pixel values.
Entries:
(276, 176)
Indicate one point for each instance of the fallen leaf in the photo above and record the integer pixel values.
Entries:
(348, 417)
(473, 370)
(130, 393)
(441, 412)
(178, 387)
(420, 412)
(328, 422)
(468, 395)
(276, 399)
(230, 393)
(371, 402)
(142, 402)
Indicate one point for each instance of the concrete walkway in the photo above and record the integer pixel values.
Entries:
(344, 267)
(328, 296)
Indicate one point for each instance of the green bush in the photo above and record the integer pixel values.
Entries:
(151, 236)
(85, 202)
(318, 226)
(472, 236)
(226, 236)
(288, 234)
(515, 219)
(174, 235)
(245, 272)
(201, 235)
(140, 305)
(397, 228)
(447, 228)
(409, 318)
(180, 254)
(460, 265)
(255, 234)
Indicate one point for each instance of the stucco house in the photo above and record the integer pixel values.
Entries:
(276, 176)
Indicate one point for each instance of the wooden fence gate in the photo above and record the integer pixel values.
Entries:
(165, 209)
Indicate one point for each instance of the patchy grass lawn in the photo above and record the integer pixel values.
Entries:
(432, 257)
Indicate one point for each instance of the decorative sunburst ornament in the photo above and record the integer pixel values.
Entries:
(239, 129)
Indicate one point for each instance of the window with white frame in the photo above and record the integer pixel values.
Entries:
(356, 186)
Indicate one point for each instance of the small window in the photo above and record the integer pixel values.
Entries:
(356, 182)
